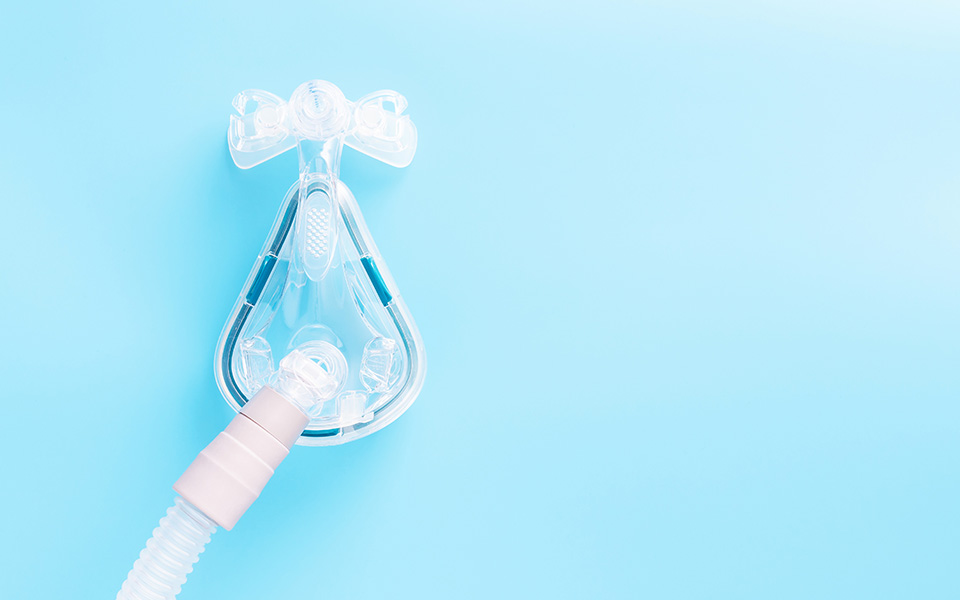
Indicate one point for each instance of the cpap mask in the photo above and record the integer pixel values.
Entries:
(319, 348)
(319, 283)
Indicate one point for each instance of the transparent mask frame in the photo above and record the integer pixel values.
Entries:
(332, 289)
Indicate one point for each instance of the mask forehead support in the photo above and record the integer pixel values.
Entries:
(266, 126)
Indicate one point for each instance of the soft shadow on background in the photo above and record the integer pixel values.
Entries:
(687, 278)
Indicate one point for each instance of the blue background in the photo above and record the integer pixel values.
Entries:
(687, 277)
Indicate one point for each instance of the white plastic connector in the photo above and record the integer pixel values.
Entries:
(229, 474)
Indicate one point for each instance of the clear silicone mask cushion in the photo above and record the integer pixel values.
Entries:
(319, 285)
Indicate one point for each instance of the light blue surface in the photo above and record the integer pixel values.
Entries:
(688, 278)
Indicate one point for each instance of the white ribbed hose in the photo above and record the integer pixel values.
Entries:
(169, 556)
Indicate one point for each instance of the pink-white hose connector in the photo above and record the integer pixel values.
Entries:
(229, 474)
